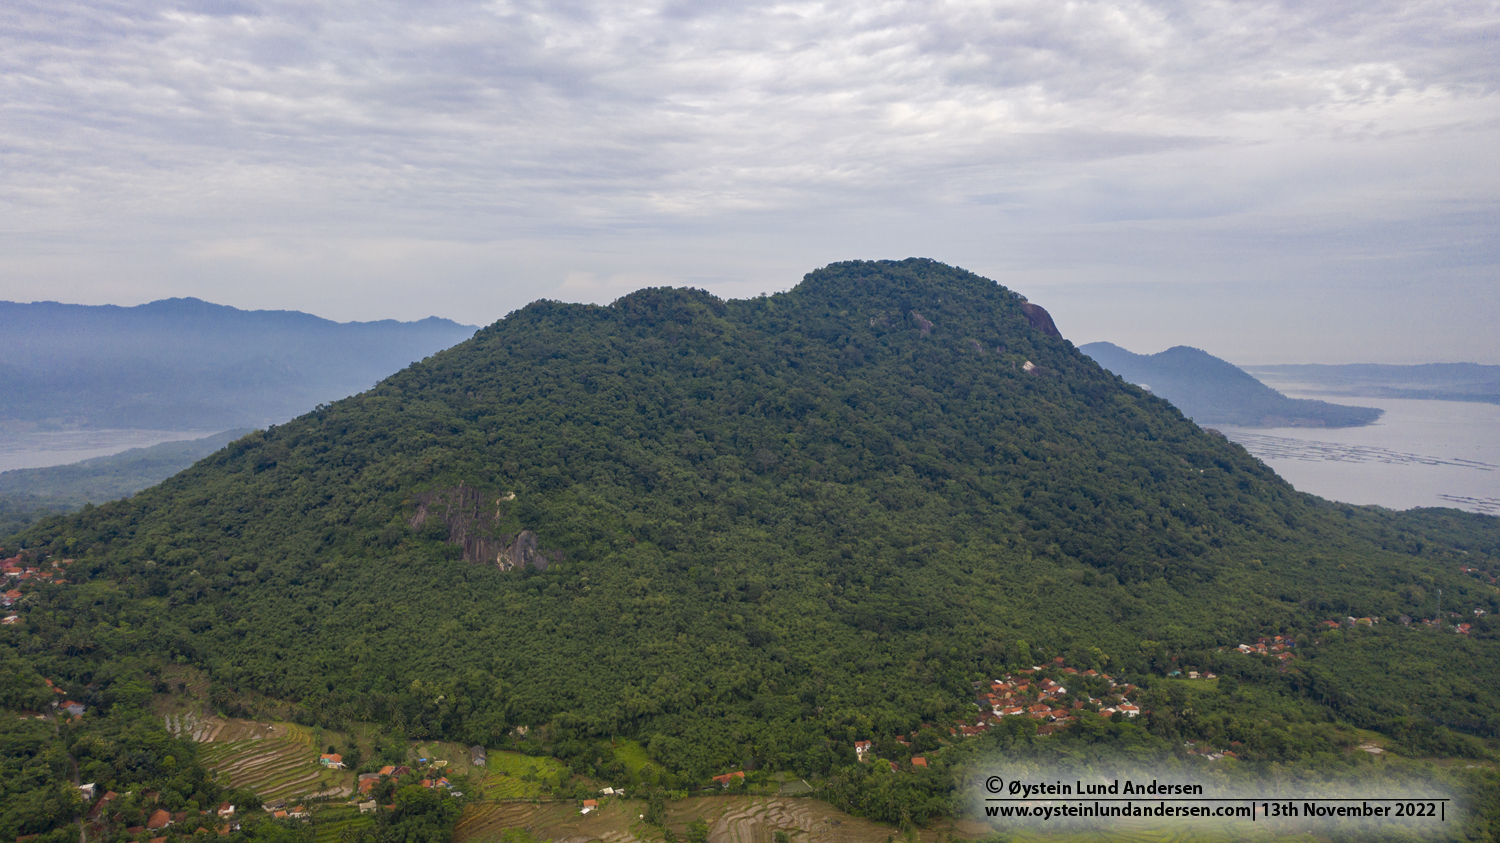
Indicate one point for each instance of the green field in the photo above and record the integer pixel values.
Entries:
(330, 824)
(516, 776)
(633, 756)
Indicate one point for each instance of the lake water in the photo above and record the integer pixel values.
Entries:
(41, 449)
(1420, 453)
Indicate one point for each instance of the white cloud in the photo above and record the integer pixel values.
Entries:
(616, 141)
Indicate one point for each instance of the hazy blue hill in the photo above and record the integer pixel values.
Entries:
(1214, 391)
(1443, 381)
(186, 363)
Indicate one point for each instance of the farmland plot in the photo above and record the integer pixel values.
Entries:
(279, 761)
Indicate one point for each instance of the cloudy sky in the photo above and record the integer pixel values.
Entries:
(1273, 182)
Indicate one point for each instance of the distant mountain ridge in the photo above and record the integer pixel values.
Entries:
(1214, 391)
(1427, 381)
(184, 363)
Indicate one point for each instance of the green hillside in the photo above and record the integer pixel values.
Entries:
(752, 532)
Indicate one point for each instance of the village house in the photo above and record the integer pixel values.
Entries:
(102, 804)
(332, 760)
(225, 811)
(728, 778)
(589, 805)
(862, 748)
(160, 819)
(477, 758)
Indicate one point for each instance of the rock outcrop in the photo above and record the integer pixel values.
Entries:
(469, 523)
(1040, 319)
(521, 553)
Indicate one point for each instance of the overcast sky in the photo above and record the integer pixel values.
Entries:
(1272, 182)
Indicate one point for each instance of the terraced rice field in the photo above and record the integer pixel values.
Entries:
(734, 819)
(279, 762)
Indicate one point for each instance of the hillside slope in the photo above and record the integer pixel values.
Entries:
(744, 531)
(1214, 391)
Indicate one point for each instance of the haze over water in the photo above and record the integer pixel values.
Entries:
(40, 449)
(1420, 453)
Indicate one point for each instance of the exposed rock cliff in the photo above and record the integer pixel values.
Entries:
(465, 516)
(1040, 319)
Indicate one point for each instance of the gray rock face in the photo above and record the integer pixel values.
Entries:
(521, 553)
(1040, 319)
(466, 520)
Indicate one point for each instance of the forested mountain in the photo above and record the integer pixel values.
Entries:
(752, 532)
(185, 364)
(1441, 381)
(1213, 391)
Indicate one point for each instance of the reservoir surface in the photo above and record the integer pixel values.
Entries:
(1419, 453)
